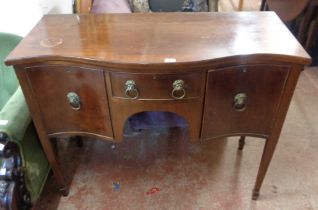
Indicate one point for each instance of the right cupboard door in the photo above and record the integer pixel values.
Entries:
(242, 100)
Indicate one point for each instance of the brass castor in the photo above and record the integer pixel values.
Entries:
(64, 191)
(255, 195)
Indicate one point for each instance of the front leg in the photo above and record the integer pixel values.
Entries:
(268, 152)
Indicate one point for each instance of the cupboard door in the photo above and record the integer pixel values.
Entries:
(242, 100)
(71, 99)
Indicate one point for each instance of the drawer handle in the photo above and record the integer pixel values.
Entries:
(240, 102)
(74, 100)
(131, 89)
(178, 91)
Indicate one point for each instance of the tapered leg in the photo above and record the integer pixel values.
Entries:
(268, 152)
(55, 165)
(50, 148)
(272, 140)
(78, 140)
(44, 139)
(241, 143)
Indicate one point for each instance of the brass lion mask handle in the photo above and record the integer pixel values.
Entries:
(178, 91)
(74, 100)
(131, 90)
(239, 103)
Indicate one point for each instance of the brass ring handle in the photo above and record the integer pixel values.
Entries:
(239, 103)
(178, 91)
(131, 90)
(74, 100)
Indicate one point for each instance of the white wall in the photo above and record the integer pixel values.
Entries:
(20, 16)
(55, 6)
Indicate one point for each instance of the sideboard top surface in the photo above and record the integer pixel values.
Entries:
(159, 38)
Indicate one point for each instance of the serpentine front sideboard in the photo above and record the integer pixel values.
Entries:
(226, 74)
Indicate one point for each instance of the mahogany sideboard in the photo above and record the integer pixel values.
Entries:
(226, 74)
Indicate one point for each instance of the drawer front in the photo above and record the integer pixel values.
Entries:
(71, 99)
(157, 86)
(242, 99)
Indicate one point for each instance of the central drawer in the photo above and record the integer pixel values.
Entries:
(156, 86)
(178, 93)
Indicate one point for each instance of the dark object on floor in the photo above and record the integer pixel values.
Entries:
(13, 191)
(116, 186)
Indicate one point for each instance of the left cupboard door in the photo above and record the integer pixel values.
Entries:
(73, 100)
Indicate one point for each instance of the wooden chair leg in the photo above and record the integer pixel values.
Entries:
(305, 23)
(240, 6)
(213, 5)
(312, 34)
(263, 5)
(241, 143)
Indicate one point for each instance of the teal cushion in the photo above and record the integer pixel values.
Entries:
(8, 80)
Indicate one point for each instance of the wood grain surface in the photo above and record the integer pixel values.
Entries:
(116, 40)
